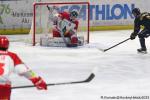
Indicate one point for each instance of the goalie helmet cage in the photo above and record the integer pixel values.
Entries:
(41, 25)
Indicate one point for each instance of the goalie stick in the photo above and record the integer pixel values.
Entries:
(48, 7)
(92, 75)
(63, 37)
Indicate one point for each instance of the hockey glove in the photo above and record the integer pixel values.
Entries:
(132, 36)
(39, 83)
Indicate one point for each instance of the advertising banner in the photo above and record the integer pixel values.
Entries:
(17, 14)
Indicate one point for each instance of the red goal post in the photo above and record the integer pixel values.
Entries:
(40, 25)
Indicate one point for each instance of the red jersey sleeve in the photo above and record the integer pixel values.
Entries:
(65, 15)
(76, 22)
(15, 58)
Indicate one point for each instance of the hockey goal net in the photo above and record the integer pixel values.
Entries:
(42, 26)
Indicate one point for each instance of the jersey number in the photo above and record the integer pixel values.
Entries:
(1, 68)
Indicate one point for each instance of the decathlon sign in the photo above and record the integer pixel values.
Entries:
(110, 12)
(103, 12)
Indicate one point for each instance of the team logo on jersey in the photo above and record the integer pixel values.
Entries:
(1, 69)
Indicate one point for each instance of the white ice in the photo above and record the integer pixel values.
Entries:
(121, 71)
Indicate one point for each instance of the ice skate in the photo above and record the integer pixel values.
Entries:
(141, 50)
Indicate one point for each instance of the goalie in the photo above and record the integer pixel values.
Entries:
(65, 25)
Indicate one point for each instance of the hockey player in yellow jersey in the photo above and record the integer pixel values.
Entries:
(141, 19)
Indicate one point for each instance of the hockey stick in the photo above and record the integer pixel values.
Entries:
(48, 7)
(63, 37)
(92, 75)
(104, 50)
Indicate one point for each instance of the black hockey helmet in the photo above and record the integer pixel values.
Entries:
(74, 14)
(136, 11)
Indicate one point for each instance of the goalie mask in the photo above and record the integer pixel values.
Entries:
(73, 14)
(4, 43)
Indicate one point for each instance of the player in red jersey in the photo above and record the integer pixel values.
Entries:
(69, 26)
(9, 63)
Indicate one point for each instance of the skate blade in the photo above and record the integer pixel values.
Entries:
(142, 52)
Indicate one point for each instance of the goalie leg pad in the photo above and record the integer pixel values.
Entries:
(53, 41)
(58, 41)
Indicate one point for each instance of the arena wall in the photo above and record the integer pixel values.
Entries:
(16, 15)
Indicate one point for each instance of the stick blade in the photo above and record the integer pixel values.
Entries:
(101, 49)
(90, 78)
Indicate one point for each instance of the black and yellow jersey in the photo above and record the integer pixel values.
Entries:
(142, 20)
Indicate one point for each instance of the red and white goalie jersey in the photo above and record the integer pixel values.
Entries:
(66, 23)
(10, 62)
(69, 20)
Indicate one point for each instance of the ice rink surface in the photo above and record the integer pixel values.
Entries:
(121, 71)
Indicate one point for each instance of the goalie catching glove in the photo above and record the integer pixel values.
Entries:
(39, 83)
